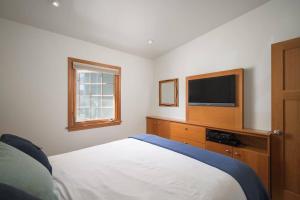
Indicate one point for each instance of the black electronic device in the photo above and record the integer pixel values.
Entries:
(222, 137)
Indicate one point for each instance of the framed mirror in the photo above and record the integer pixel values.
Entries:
(168, 92)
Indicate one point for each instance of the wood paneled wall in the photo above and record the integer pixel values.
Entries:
(221, 117)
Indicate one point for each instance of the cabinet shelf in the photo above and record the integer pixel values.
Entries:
(254, 149)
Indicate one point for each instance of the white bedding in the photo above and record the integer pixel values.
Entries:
(130, 169)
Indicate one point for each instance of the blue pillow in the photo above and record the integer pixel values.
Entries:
(27, 147)
(11, 193)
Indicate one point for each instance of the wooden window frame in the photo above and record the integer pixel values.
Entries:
(72, 124)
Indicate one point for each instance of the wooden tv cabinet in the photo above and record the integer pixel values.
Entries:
(254, 149)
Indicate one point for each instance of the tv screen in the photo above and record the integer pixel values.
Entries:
(216, 91)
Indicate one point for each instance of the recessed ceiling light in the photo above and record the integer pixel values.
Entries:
(150, 41)
(55, 3)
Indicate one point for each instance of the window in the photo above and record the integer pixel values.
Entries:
(94, 95)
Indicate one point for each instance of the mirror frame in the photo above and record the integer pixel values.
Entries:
(175, 104)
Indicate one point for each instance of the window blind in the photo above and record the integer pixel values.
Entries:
(96, 68)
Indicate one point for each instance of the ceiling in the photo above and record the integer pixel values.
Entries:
(127, 25)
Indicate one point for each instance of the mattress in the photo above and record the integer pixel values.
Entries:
(131, 169)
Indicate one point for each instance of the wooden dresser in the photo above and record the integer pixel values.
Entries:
(254, 149)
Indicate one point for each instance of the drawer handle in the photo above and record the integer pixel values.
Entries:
(186, 129)
(236, 154)
(227, 151)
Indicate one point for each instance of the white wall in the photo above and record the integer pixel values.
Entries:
(244, 42)
(33, 89)
(33, 74)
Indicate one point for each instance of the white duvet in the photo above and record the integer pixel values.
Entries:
(130, 169)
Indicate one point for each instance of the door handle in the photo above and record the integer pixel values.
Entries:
(276, 132)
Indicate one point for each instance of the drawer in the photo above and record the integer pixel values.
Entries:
(187, 141)
(178, 139)
(219, 148)
(190, 132)
(196, 144)
(163, 128)
(151, 126)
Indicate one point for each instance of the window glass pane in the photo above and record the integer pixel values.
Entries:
(84, 101)
(83, 114)
(84, 89)
(77, 100)
(84, 77)
(95, 96)
(95, 89)
(95, 101)
(98, 113)
(108, 78)
(95, 113)
(108, 113)
(77, 87)
(108, 89)
(107, 101)
(95, 77)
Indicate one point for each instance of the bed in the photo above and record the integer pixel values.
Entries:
(148, 167)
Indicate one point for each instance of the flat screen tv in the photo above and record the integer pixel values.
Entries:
(215, 91)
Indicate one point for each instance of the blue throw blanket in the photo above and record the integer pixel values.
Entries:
(242, 173)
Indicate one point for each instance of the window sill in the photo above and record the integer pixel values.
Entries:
(89, 125)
